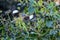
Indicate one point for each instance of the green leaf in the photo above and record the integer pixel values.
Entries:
(31, 10)
(49, 23)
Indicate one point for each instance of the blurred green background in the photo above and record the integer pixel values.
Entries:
(47, 26)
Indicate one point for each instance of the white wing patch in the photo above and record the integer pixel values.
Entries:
(15, 11)
(31, 16)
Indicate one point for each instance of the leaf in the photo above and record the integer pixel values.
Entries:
(31, 10)
(49, 23)
(53, 32)
(44, 39)
(58, 38)
(40, 2)
(31, 2)
(50, 5)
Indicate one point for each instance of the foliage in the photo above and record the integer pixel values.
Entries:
(44, 29)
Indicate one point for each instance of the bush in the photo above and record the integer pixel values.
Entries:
(45, 26)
